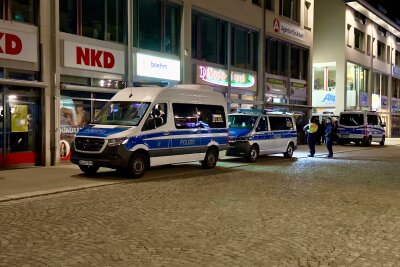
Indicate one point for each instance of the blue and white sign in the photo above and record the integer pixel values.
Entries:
(396, 71)
(322, 98)
(384, 102)
(158, 67)
(395, 104)
(363, 99)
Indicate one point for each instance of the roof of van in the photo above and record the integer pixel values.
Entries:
(181, 93)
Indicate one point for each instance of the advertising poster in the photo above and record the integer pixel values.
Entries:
(298, 91)
(19, 118)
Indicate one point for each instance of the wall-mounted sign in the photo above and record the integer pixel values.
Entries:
(158, 67)
(376, 101)
(396, 71)
(220, 77)
(298, 91)
(16, 45)
(322, 98)
(88, 57)
(288, 29)
(394, 103)
(384, 102)
(275, 87)
(364, 99)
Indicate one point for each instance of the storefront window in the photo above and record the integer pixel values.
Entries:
(1, 9)
(172, 33)
(244, 48)
(324, 85)
(357, 86)
(77, 109)
(210, 35)
(24, 11)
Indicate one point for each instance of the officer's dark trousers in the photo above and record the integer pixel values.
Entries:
(329, 143)
(311, 143)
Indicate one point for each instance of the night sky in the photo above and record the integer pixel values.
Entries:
(392, 7)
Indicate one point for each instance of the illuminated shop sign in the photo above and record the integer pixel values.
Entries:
(322, 98)
(220, 77)
(158, 67)
(395, 104)
(287, 29)
(364, 99)
(298, 91)
(88, 57)
(384, 102)
(21, 46)
(275, 87)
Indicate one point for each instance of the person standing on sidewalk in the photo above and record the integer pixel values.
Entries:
(329, 137)
(311, 129)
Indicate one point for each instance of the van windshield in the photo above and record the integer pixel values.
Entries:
(122, 113)
(351, 119)
(242, 121)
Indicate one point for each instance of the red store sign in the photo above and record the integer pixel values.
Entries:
(88, 57)
(21, 46)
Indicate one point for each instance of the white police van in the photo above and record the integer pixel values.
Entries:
(150, 126)
(361, 127)
(252, 133)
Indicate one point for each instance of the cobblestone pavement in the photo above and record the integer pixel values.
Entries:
(343, 211)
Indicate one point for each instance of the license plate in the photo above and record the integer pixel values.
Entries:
(86, 162)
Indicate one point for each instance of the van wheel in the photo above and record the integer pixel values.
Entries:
(252, 156)
(210, 160)
(289, 151)
(137, 165)
(88, 169)
(382, 142)
(368, 141)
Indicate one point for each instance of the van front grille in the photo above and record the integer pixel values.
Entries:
(89, 144)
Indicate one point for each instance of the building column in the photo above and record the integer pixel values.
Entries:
(186, 43)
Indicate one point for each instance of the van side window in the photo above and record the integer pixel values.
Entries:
(156, 118)
(262, 125)
(189, 116)
(211, 116)
(372, 120)
(281, 123)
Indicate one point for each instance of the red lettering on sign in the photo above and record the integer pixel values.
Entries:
(94, 58)
(13, 44)
(80, 55)
(109, 60)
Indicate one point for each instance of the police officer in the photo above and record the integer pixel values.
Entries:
(311, 130)
(329, 136)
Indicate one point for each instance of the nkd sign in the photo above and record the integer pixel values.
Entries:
(19, 46)
(81, 56)
(220, 77)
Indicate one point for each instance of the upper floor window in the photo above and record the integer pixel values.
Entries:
(244, 48)
(298, 63)
(358, 39)
(19, 10)
(277, 57)
(381, 51)
(269, 4)
(382, 31)
(397, 58)
(256, 2)
(290, 9)
(106, 23)
(158, 26)
(359, 17)
(209, 39)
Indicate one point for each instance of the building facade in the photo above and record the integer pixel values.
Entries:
(356, 61)
(60, 61)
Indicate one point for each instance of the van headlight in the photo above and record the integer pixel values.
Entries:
(117, 141)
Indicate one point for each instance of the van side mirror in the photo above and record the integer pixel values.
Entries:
(383, 124)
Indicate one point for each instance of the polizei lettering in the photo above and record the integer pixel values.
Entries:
(187, 142)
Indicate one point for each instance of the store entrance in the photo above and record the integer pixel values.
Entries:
(19, 127)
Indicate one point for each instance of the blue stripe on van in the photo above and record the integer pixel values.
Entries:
(274, 135)
(99, 132)
(190, 138)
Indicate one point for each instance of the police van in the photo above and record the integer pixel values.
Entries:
(361, 127)
(150, 126)
(253, 133)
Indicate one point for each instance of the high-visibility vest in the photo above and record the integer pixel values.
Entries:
(312, 128)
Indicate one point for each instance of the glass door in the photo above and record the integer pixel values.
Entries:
(20, 127)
